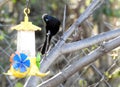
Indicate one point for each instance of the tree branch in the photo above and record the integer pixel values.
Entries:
(90, 9)
(82, 62)
(70, 47)
(55, 52)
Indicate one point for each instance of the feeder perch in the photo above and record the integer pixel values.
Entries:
(26, 35)
(22, 66)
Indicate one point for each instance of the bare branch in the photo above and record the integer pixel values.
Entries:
(64, 19)
(82, 62)
(90, 9)
(70, 47)
(55, 52)
(65, 48)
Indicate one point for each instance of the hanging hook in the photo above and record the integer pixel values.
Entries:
(26, 14)
(26, 11)
(27, 5)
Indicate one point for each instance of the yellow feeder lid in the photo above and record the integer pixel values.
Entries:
(26, 25)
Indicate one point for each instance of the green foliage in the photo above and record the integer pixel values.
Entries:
(18, 84)
(1, 37)
(54, 6)
(107, 11)
(14, 1)
(111, 12)
(116, 13)
(82, 9)
(33, 1)
(111, 1)
(113, 75)
(87, 2)
(82, 83)
(38, 59)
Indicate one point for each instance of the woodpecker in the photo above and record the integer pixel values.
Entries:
(52, 26)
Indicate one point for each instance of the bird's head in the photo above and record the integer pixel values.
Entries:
(49, 20)
(45, 17)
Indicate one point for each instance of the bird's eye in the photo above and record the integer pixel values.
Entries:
(46, 19)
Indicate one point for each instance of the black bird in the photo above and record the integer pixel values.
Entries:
(52, 25)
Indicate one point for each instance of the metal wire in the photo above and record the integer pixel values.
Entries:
(27, 5)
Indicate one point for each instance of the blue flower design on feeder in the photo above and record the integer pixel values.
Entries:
(21, 62)
(23, 65)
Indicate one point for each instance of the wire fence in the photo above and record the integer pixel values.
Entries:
(101, 73)
(95, 74)
(104, 72)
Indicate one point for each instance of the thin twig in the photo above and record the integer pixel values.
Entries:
(47, 43)
(64, 19)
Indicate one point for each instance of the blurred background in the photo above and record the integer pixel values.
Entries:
(104, 72)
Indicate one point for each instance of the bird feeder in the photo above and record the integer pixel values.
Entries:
(26, 35)
(23, 61)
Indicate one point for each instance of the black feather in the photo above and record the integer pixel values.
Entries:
(52, 25)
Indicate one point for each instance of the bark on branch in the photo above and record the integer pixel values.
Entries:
(82, 62)
(56, 51)
(70, 47)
